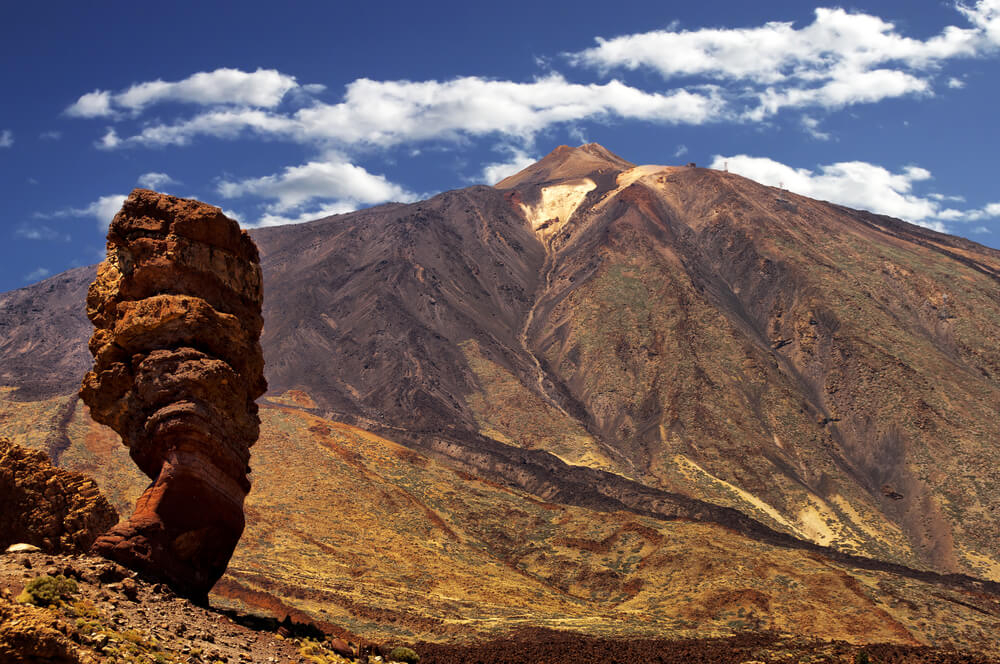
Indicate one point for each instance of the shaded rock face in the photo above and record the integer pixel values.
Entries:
(177, 368)
(56, 510)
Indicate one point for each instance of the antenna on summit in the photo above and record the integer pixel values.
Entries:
(725, 166)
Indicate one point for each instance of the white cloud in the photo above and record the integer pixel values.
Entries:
(990, 211)
(681, 151)
(6, 138)
(102, 210)
(578, 135)
(96, 104)
(839, 59)
(224, 123)
(40, 232)
(264, 88)
(854, 87)
(324, 187)
(50, 135)
(37, 274)
(109, 141)
(155, 180)
(498, 170)
(387, 113)
(312, 214)
(956, 83)
(862, 185)
(984, 14)
(811, 126)
(855, 184)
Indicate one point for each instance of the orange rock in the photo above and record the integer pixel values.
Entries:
(177, 370)
(57, 510)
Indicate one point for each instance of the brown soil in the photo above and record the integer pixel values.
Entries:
(539, 645)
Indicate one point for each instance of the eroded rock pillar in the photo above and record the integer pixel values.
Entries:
(177, 369)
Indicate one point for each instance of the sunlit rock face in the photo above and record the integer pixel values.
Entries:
(177, 368)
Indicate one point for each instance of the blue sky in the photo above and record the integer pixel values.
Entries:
(287, 113)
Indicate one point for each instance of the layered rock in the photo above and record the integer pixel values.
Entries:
(177, 368)
(57, 510)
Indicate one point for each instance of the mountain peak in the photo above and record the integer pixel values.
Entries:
(567, 163)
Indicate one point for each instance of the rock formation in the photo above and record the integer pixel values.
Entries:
(177, 367)
(57, 510)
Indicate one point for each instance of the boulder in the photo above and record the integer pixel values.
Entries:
(55, 510)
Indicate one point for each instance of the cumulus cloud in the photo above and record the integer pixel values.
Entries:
(6, 138)
(985, 15)
(856, 184)
(990, 211)
(315, 189)
(154, 180)
(109, 141)
(96, 104)
(496, 171)
(102, 210)
(840, 59)
(387, 113)
(264, 88)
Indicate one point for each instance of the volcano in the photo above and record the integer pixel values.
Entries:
(599, 389)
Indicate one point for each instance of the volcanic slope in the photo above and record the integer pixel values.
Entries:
(830, 373)
(644, 342)
(355, 532)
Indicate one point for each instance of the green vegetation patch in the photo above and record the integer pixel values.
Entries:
(48, 590)
(404, 654)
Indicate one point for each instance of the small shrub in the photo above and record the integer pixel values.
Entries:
(862, 658)
(83, 609)
(47, 590)
(404, 654)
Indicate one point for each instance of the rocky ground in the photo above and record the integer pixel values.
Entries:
(110, 615)
(113, 616)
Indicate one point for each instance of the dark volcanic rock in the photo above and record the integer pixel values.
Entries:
(177, 367)
(43, 332)
(54, 509)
